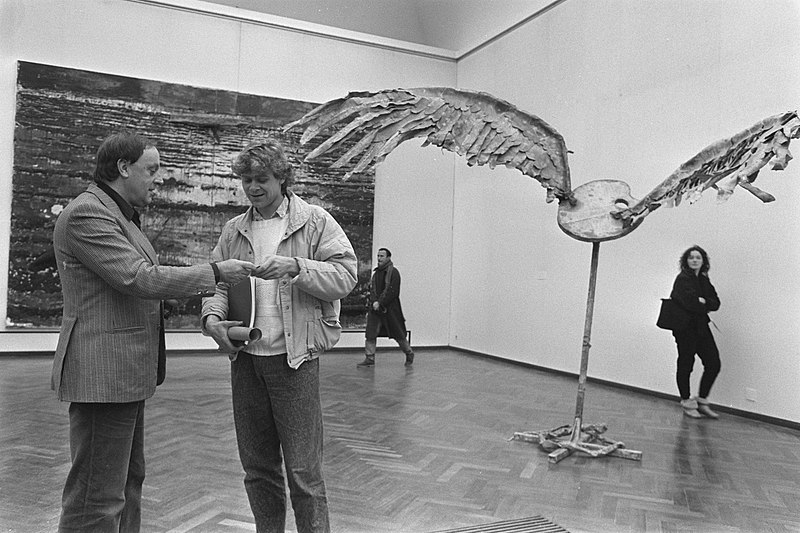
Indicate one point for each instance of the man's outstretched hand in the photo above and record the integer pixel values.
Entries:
(234, 270)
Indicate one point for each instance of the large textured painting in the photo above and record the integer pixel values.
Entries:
(63, 114)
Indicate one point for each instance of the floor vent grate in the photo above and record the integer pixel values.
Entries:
(534, 524)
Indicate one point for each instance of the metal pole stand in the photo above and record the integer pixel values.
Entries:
(582, 438)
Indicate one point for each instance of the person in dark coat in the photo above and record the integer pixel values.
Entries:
(385, 314)
(696, 295)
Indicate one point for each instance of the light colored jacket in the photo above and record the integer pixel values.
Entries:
(108, 347)
(309, 302)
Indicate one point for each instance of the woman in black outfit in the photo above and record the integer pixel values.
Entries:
(696, 295)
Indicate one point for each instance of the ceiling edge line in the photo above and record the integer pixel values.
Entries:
(490, 40)
(302, 27)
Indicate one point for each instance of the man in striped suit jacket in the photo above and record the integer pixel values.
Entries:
(110, 354)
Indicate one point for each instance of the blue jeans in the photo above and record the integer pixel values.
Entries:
(103, 492)
(278, 408)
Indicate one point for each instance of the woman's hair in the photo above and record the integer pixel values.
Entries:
(262, 157)
(684, 261)
(124, 145)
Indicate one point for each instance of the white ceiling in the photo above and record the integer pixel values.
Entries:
(457, 25)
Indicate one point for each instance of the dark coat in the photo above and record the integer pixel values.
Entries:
(388, 321)
(687, 289)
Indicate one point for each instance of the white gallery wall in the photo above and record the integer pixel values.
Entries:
(636, 89)
(216, 51)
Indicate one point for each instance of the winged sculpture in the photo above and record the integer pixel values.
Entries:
(490, 131)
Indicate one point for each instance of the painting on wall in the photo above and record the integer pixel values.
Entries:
(63, 114)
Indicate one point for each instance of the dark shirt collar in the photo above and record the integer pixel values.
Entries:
(128, 211)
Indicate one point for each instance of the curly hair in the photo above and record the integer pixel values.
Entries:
(684, 260)
(267, 156)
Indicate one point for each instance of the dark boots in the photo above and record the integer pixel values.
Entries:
(369, 360)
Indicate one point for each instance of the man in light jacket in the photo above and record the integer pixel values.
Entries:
(305, 265)
(111, 352)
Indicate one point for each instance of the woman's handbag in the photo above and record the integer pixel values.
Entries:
(672, 316)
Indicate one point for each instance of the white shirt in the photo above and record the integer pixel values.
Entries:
(267, 235)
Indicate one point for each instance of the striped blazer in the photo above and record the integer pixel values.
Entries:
(109, 344)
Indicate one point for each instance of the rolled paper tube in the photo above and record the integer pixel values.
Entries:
(243, 334)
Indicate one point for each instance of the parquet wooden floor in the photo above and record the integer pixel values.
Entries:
(419, 450)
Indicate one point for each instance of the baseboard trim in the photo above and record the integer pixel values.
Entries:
(721, 408)
(782, 422)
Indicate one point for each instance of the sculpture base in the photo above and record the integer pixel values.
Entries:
(586, 439)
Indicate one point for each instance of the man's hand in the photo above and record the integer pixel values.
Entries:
(276, 267)
(376, 306)
(218, 329)
(233, 270)
(171, 306)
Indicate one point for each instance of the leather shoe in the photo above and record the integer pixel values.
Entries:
(704, 409)
(368, 361)
(690, 408)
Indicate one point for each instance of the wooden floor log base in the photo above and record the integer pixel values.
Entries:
(584, 438)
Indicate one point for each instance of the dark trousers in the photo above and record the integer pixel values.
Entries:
(371, 346)
(103, 492)
(696, 340)
(277, 408)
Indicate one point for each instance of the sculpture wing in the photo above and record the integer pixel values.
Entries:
(478, 126)
(724, 165)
